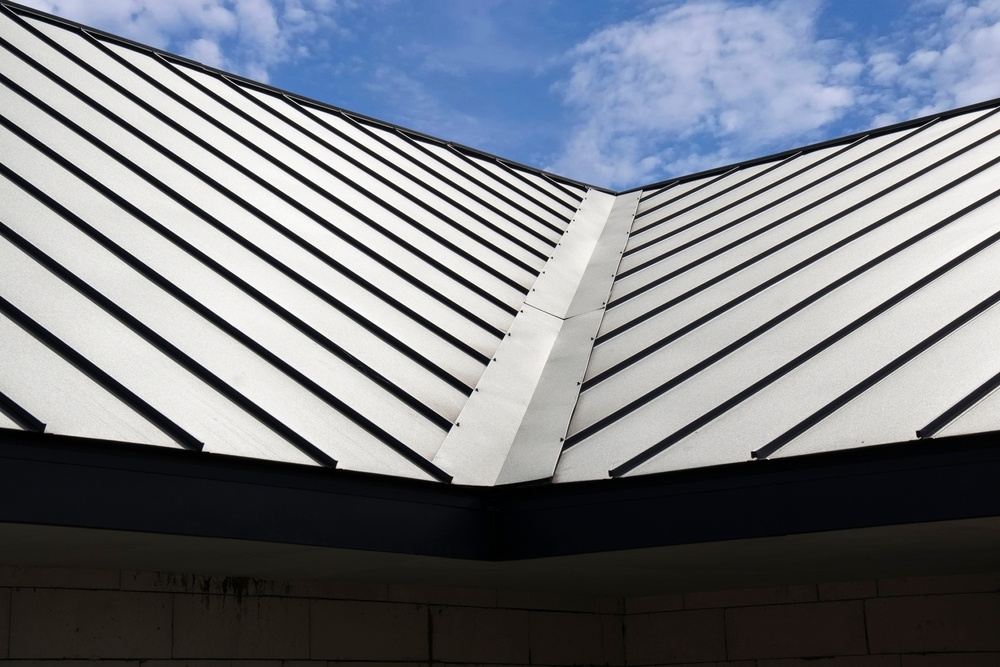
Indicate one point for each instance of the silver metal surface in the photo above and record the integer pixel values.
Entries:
(188, 259)
(511, 430)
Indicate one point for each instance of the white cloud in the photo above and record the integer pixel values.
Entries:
(246, 36)
(951, 60)
(703, 83)
(727, 73)
(420, 109)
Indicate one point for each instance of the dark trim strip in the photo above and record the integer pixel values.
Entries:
(268, 186)
(410, 139)
(400, 189)
(101, 378)
(304, 109)
(516, 173)
(17, 9)
(760, 174)
(875, 378)
(864, 268)
(809, 148)
(819, 347)
(738, 202)
(19, 415)
(559, 185)
(790, 216)
(190, 249)
(258, 252)
(670, 186)
(625, 363)
(161, 344)
(647, 194)
(795, 238)
(455, 150)
(321, 164)
(388, 182)
(957, 410)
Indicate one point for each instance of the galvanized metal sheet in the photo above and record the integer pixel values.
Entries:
(354, 281)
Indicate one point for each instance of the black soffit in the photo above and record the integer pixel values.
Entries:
(73, 482)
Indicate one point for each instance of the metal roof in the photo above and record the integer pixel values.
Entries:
(190, 259)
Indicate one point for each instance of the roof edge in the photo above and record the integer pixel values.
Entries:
(808, 148)
(55, 480)
(369, 120)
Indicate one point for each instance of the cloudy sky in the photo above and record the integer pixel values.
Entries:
(613, 92)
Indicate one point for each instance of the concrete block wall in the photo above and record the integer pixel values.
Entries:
(916, 622)
(67, 618)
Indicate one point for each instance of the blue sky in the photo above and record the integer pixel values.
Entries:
(613, 92)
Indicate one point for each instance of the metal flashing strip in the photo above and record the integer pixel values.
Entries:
(512, 428)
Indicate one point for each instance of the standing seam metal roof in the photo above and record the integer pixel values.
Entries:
(190, 259)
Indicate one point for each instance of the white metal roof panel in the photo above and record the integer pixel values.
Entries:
(722, 369)
(191, 259)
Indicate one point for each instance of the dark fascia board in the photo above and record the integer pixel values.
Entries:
(75, 482)
(144, 48)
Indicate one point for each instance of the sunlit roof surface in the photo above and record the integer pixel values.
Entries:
(188, 259)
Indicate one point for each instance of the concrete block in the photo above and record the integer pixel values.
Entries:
(675, 637)
(172, 582)
(842, 661)
(607, 605)
(541, 600)
(57, 623)
(442, 595)
(951, 659)
(654, 603)
(563, 638)
(4, 622)
(963, 583)
(58, 577)
(387, 631)
(852, 590)
(473, 635)
(935, 623)
(751, 597)
(72, 663)
(240, 626)
(796, 630)
(337, 590)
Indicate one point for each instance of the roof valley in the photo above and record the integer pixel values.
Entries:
(513, 426)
